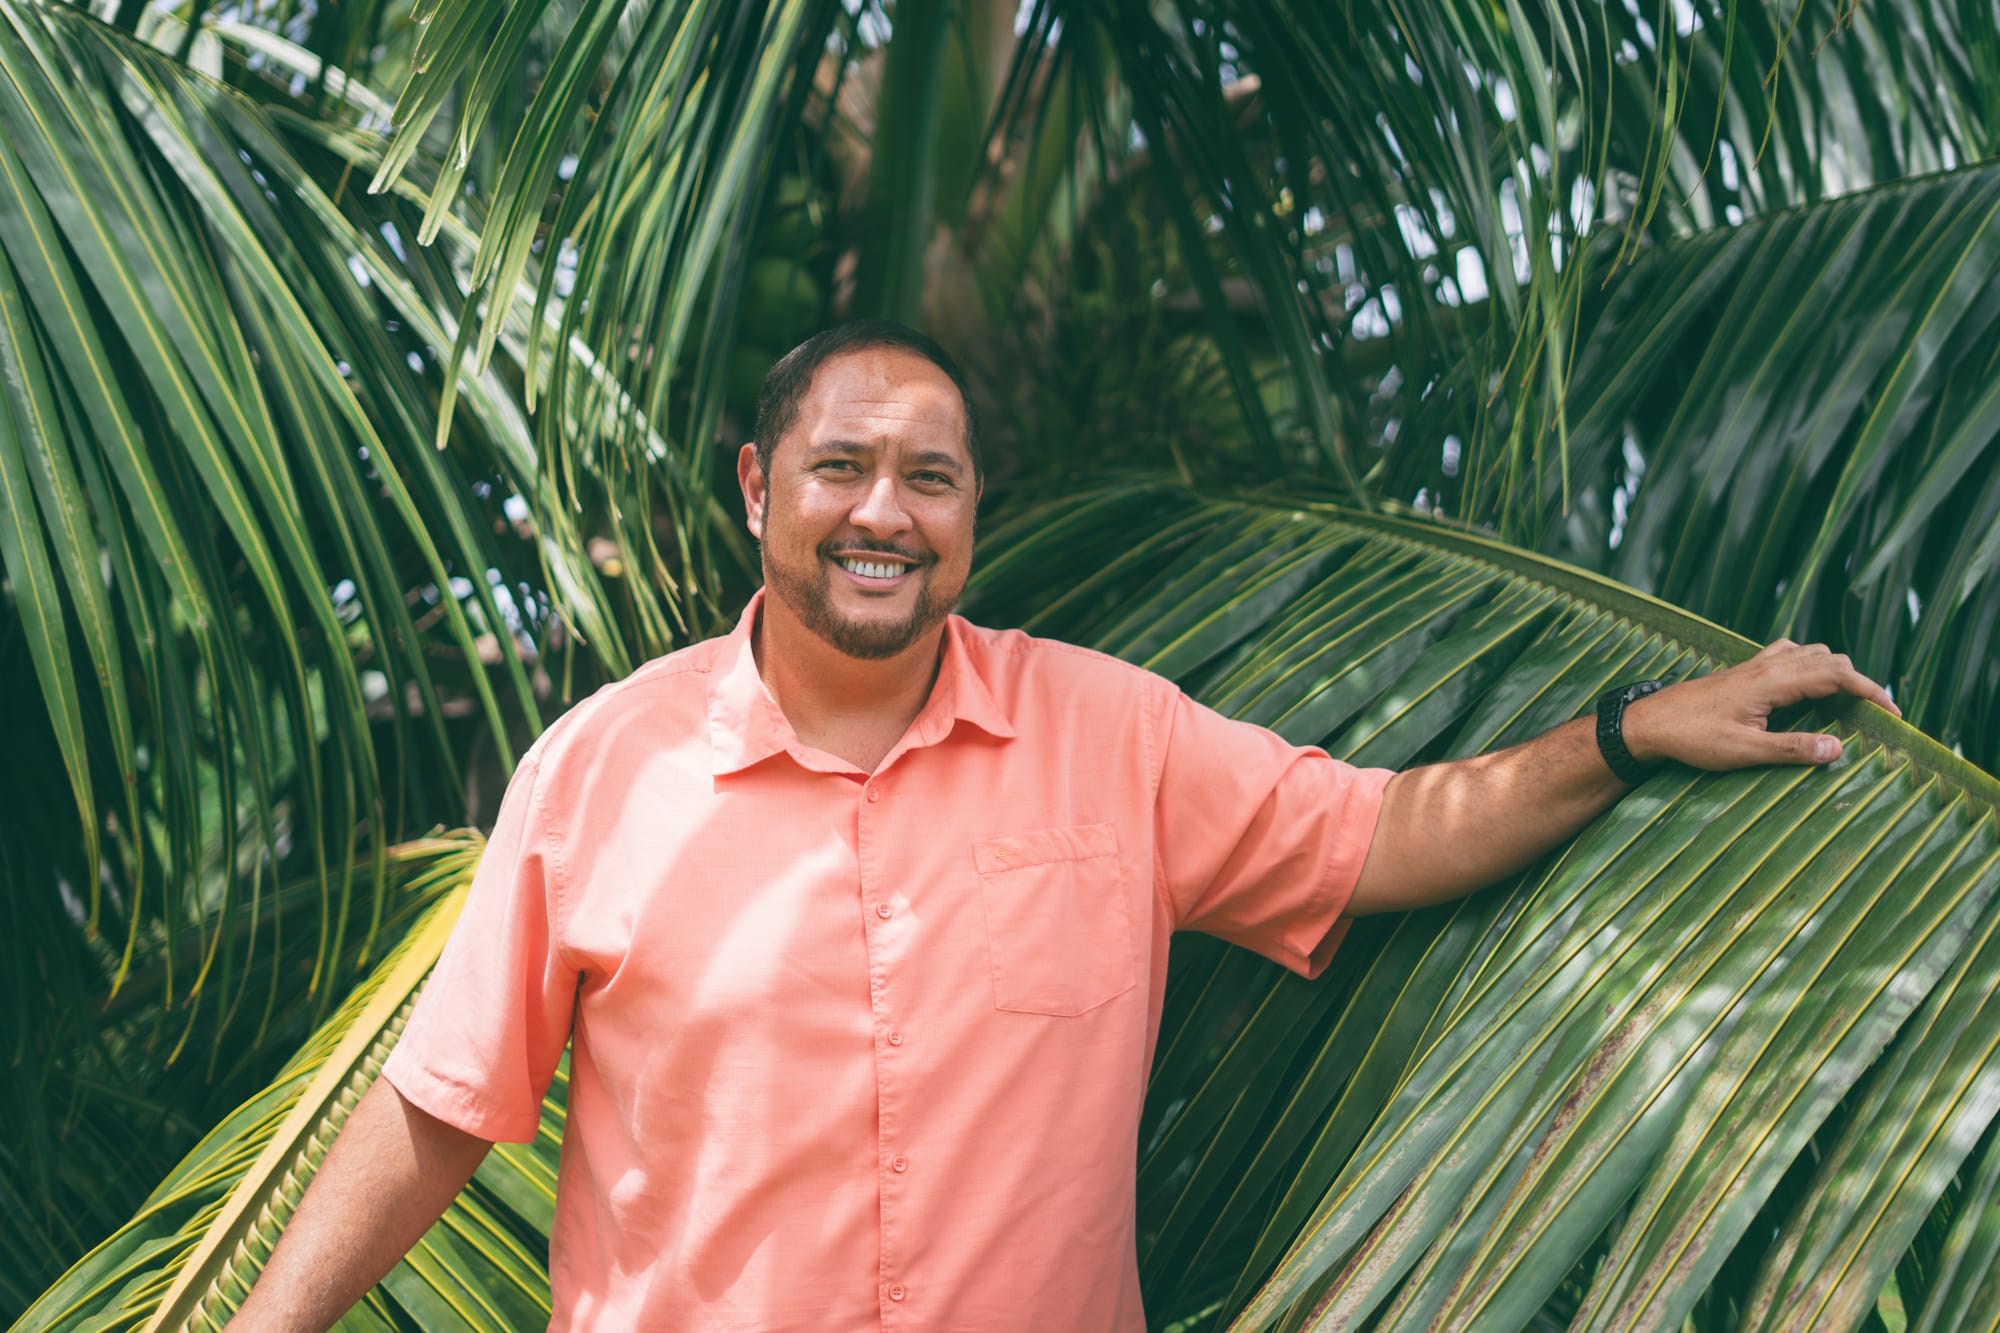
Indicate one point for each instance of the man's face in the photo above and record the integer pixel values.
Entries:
(866, 517)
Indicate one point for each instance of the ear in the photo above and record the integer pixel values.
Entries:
(756, 488)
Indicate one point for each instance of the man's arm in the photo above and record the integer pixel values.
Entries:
(1448, 829)
(389, 1175)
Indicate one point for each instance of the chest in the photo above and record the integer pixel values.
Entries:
(785, 904)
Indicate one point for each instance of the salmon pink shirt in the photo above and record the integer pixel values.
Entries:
(865, 1050)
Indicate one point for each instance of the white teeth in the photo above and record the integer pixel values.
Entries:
(871, 569)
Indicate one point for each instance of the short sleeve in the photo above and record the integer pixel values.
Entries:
(484, 1038)
(1259, 841)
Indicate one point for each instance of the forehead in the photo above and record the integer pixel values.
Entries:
(881, 395)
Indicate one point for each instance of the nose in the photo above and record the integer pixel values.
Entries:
(880, 512)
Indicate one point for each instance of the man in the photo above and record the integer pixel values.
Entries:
(858, 917)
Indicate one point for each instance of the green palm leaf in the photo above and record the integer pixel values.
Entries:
(186, 1257)
(1825, 466)
(1966, 1294)
(188, 396)
(1922, 1110)
(1613, 1060)
(663, 137)
(255, 618)
(1392, 184)
(1409, 188)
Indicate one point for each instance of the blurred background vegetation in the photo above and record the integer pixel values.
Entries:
(373, 372)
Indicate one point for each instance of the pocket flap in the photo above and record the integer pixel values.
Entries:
(994, 856)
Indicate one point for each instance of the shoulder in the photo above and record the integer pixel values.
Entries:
(1020, 666)
(663, 700)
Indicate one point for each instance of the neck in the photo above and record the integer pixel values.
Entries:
(852, 707)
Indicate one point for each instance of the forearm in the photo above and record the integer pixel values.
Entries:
(389, 1175)
(1448, 829)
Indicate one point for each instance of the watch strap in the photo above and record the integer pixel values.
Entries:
(1611, 730)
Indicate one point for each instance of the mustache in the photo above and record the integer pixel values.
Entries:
(830, 549)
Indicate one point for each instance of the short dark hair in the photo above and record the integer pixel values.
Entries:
(787, 382)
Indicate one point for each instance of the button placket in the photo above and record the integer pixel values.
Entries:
(883, 949)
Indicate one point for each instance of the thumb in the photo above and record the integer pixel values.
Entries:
(1804, 747)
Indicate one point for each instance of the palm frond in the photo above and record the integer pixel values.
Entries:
(1966, 1289)
(257, 622)
(630, 194)
(1791, 426)
(181, 1260)
(1394, 188)
(133, 1267)
(1922, 1111)
(1410, 191)
(194, 359)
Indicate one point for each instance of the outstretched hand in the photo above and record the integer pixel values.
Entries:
(1722, 720)
(1446, 829)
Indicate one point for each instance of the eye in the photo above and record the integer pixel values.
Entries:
(835, 463)
(932, 479)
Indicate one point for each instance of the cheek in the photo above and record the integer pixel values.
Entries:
(948, 527)
(792, 514)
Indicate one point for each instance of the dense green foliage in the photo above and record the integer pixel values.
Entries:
(335, 460)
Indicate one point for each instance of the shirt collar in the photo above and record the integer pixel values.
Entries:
(746, 726)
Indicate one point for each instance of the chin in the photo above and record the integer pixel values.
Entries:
(868, 639)
(869, 650)
(856, 626)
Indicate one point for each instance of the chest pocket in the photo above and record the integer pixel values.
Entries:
(1057, 923)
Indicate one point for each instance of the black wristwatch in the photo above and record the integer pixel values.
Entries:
(1611, 731)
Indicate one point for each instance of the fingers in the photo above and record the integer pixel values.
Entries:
(1804, 747)
(1723, 720)
(1859, 685)
(1816, 671)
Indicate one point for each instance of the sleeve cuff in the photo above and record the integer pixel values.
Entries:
(1343, 869)
(456, 1104)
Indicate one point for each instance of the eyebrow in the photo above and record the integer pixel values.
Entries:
(931, 458)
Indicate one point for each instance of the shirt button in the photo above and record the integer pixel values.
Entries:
(884, 911)
(900, 1164)
(874, 795)
(897, 1293)
(896, 1038)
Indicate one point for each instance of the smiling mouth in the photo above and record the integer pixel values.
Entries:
(875, 570)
